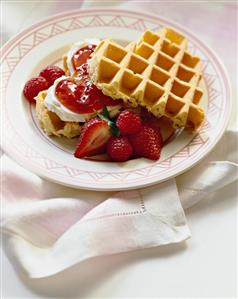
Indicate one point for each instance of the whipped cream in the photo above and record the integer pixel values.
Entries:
(53, 104)
(75, 47)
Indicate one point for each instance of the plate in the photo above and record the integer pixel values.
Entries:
(44, 43)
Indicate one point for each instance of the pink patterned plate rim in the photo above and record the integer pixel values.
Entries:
(46, 42)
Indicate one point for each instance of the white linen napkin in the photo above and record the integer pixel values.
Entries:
(51, 227)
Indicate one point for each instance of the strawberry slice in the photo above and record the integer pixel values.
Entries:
(93, 139)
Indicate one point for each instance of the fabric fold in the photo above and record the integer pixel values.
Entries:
(50, 235)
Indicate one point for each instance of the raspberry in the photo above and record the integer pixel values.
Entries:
(128, 122)
(147, 142)
(51, 73)
(119, 149)
(33, 87)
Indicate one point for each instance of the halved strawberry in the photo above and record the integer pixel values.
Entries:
(93, 139)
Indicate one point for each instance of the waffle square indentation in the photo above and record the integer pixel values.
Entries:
(115, 53)
(185, 74)
(144, 50)
(174, 37)
(159, 76)
(107, 71)
(137, 65)
(197, 96)
(195, 116)
(129, 82)
(173, 105)
(169, 49)
(164, 62)
(190, 61)
(152, 93)
(179, 89)
(150, 38)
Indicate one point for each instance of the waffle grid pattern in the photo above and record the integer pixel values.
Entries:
(157, 72)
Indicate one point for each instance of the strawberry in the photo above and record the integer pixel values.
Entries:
(164, 125)
(147, 142)
(33, 87)
(119, 149)
(93, 139)
(51, 73)
(128, 122)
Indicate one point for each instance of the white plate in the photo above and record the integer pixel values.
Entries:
(44, 43)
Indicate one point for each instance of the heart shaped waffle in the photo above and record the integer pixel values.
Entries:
(156, 72)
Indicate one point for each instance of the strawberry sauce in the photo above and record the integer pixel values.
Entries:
(78, 94)
(82, 55)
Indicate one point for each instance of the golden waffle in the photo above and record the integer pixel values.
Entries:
(51, 123)
(156, 72)
(65, 66)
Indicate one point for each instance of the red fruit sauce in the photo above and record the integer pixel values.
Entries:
(78, 94)
(82, 55)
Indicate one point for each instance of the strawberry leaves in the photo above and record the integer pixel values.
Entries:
(106, 116)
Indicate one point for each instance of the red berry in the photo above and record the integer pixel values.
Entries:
(51, 73)
(119, 149)
(147, 142)
(93, 139)
(128, 122)
(33, 87)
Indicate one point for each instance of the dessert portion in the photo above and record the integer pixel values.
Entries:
(117, 99)
(156, 72)
(67, 102)
(76, 99)
(51, 123)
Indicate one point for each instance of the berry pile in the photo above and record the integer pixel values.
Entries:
(132, 139)
(45, 79)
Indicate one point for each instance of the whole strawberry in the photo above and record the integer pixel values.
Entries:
(119, 149)
(128, 122)
(51, 73)
(147, 142)
(33, 87)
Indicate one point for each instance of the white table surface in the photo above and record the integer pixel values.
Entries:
(203, 266)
